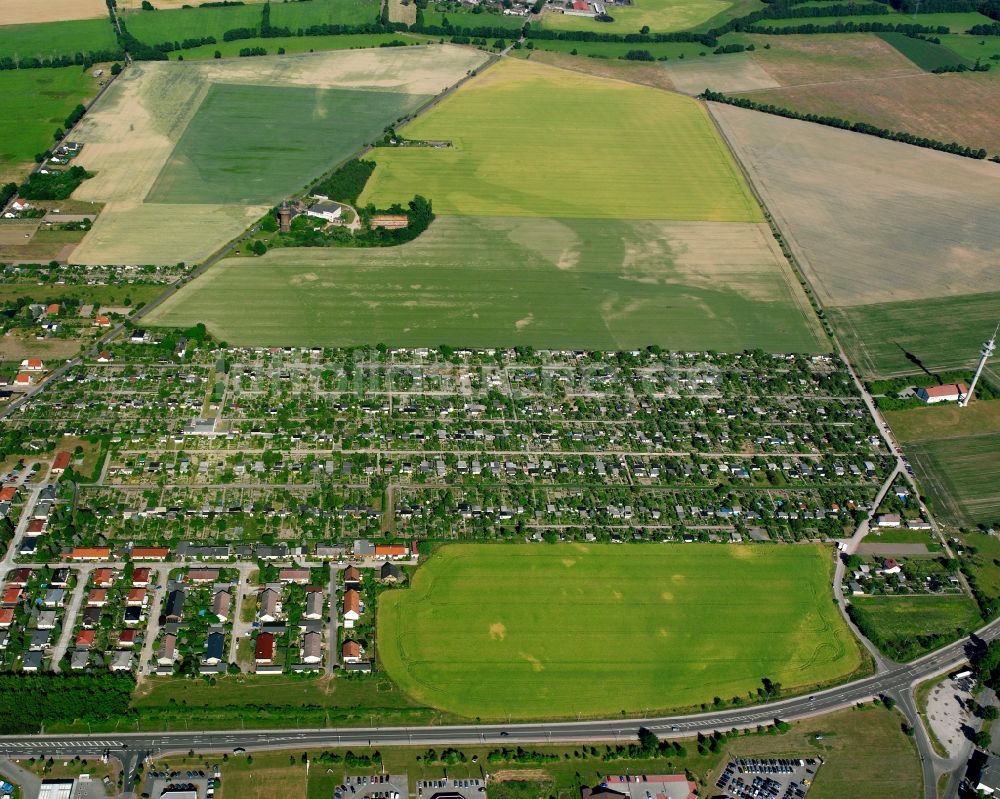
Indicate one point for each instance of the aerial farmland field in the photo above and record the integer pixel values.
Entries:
(923, 225)
(14, 12)
(36, 102)
(44, 40)
(169, 165)
(544, 631)
(507, 281)
(610, 150)
(939, 334)
(660, 15)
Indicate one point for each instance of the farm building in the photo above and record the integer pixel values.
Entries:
(952, 392)
(326, 210)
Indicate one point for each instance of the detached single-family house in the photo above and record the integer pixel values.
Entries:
(61, 462)
(312, 648)
(140, 577)
(297, 576)
(175, 605)
(269, 605)
(135, 597)
(352, 605)
(263, 649)
(352, 577)
(168, 650)
(391, 573)
(214, 646)
(85, 639)
(221, 603)
(97, 598)
(121, 661)
(351, 652)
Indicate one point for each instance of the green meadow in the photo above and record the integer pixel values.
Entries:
(178, 24)
(47, 39)
(35, 103)
(553, 631)
(660, 16)
(486, 282)
(239, 147)
(529, 140)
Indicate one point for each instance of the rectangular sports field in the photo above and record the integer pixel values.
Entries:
(547, 631)
(477, 281)
(530, 140)
(35, 103)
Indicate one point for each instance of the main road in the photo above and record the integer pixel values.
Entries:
(898, 679)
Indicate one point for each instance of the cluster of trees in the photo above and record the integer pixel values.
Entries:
(235, 34)
(708, 40)
(977, 67)
(186, 44)
(7, 193)
(844, 124)
(846, 27)
(350, 759)
(251, 51)
(29, 701)
(986, 30)
(346, 184)
(85, 60)
(900, 647)
(54, 185)
(520, 755)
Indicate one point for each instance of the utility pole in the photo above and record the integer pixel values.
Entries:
(989, 347)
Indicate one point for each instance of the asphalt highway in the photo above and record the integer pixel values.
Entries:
(896, 679)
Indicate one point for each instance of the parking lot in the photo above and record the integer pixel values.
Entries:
(771, 778)
(451, 789)
(376, 786)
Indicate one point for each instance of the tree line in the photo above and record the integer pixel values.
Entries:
(29, 701)
(844, 124)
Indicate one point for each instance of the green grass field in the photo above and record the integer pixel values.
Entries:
(530, 140)
(475, 281)
(973, 47)
(466, 19)
(901, 618)
(661, 16)
(962, 475)
(183, 23)
(239, 148)
(941, 334)
(47, 39)
(547, 631)
(669, 50)
(36, 102)
(926, 55)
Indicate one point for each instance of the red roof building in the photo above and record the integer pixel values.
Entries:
(35, 527)
(102, 321)
(135, 597)
(202, 575)
(60, 464)
(391, 551)
(12, 595)
(126, 638)
(6, 617)
(8, 493)
(89, 553)
(150, 553)
(85, 639)
(53, 309)
(140, 577)
(19, 577)
(97, 598)
(263, 650)
(103, 578)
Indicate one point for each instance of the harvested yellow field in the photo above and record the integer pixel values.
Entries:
(147, 233)
(725, 73)
(870, 220)
(20, 12)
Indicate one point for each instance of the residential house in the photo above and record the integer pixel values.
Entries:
(103, 578)
(61, 462)
(85, 639)
(127, 639)
(175, 605)
(263, 650)
(391, 573)
(352, 577)
(135, 597)
(168, 650)
(297, 576)
(312, 648)
(214, 648)
(314, 604)
(221, 603)
(270, 605)
(351, 652)
(352, 605)
(121, 661)
(97, 598)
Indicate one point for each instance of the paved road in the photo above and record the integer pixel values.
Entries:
(897, 680)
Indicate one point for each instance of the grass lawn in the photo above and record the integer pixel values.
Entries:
(662, 16)
(555, 631)
(475, 281)
(902, 618)
(940, 334)
(972, 47)
(531, 140)
(36, 102)
(983, 558)
(864, 751)
(239, 147)
(926, 55)
(47, 39)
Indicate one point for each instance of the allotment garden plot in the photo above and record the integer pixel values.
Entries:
(497, 631)
(180, 143)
